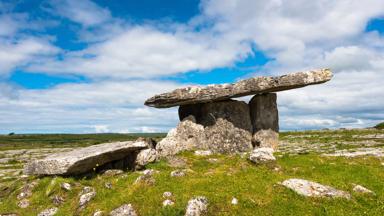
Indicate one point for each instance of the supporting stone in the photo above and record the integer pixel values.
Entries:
(265, 120)
(222, 127)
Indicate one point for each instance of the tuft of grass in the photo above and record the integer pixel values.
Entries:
(380, 126)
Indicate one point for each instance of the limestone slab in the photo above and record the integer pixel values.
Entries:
(82, 160)
(252, 86)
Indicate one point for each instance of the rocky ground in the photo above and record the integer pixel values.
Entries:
(342, 162)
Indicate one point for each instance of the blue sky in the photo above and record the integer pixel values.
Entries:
(87, 66)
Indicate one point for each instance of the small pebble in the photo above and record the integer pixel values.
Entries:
(167, 194)
(66, 186)
(168, 202)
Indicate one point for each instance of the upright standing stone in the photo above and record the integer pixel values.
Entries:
(265, 120)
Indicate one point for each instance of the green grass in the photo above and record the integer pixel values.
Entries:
(26, 141)
(256, 188)
(380, 126)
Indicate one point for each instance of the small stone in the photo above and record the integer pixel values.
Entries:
(24, 203)
(98, 213)
(87, 189)
(313, 189)
(167, 194)
(361, 189)
(149, 172)
(26, 191)
(213, 160)
(145, 157)
(203, 153)
(168, 202)
(262, 155)
(88, 194)
(48, 212)
(112, 172)
(146, 178)
(108, 185)
(178, 173)
(124, 210)
(66, 186)
(197, 206)
(234, 201)
(57, 200)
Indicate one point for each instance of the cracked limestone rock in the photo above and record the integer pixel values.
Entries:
(262, 155)
(197, 206)
(313, 189)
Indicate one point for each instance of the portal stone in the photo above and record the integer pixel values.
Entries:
(265, 120)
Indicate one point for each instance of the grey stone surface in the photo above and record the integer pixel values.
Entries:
(112, 172)
(145, 157)
(252, 86)
(262, 155)
(222, 127)
(197, 206)
(313, 189)
(124, 210)
(66, 186)
(86, 195)
(362, 189)
(265, 120)
(168, 202)
(48, 212)
(82, 160)
(185, 136)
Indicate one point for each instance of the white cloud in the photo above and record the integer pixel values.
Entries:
(84, 12)
(81, 107)
(23, 52)
(146, 52)
(297, 35)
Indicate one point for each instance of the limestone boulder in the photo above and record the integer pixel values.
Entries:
(262, 155)
(83, 160)
(145, 157)
(197, 206)
(186, 136)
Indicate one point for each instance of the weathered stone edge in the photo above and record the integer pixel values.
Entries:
(252, 86)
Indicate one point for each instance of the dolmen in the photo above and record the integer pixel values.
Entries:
(211, 120)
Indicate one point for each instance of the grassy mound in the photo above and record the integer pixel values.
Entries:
(380, 126)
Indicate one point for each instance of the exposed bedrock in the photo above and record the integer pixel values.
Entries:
(265, 120)
(252, 86)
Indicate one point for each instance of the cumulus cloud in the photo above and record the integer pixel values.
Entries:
(125, 60)
(81, 107)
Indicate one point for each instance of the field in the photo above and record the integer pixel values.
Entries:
(339, 158)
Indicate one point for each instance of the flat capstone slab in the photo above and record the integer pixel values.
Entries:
(84, 159)
(252, 86)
